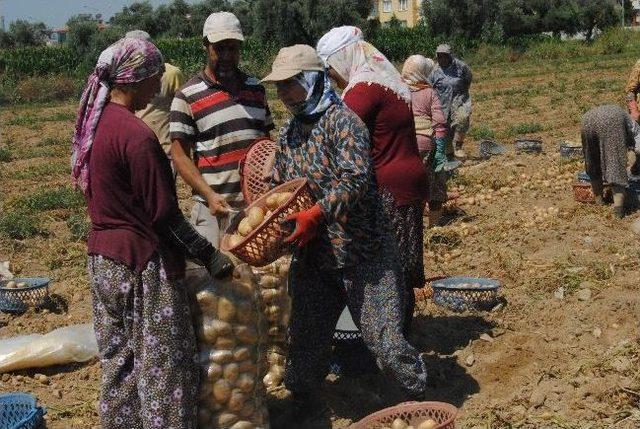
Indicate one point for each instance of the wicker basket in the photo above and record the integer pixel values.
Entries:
(18, 300)
(264, 244)
(570, 150)
(252, 169)
(583, 193)
(466, 293)
(413, 413)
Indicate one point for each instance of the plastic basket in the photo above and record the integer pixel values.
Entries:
(583, 193)
(570, 150)
(466, 293)
(413, 413)
(351, 356)
(528, 145)
(265, 243)
(19, 411)
(252, 169)
(18, 300)
(489, 148)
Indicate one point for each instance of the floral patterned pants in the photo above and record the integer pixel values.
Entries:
(373, 292)
(147, 347)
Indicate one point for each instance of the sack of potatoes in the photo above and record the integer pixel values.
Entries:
(231, 333)
(256, 216)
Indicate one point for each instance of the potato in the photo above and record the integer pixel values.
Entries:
(269, 282)
(231, 372)
(234, 240)
(223, 329)
(207, 331)
(276, 359)
(243, 290)
(11, 284)
(271, 295)
(246, 366)
(222, 391)
(236, 401)
(399, 424)
(245, 383)
(213, 371)
(244, 228)
(21, 285)
(225, 343)
(255, 216)
(273, 331)
(204, 416)
(284, 197)
(272, 201)
(245, 312)
(207, 301)
(241, 353)
(224, 420)
(428, 424)
(246, 334)
(226, 309)
(272, 313)
(243, 425)
(247, 411)
(221, 356)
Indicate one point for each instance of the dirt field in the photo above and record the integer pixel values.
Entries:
(541, 361)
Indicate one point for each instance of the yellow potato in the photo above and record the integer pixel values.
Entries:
(243, 425)
(231, 372)
(428, 424)
(226, 309)
(255, 216)
(399, 424)
(284, 197)
(222, 391)
(236, 402)
(21, 285)
(244, 228)
(235, 239)
(272, 201)
(245, 383)
(11, 285)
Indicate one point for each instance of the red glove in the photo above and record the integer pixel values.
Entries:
(306, 225)
(633, 110)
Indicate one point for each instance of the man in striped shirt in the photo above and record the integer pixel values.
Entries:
(217, 115)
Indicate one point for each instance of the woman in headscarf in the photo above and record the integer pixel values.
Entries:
(343, 253)
(608, 133)
(431, 129)
(375, 91)
(137, 247)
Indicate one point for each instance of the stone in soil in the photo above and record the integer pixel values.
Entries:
(584, 294)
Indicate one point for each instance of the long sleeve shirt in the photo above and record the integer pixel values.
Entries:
(452, 85)
(334, 156)
(428, 116)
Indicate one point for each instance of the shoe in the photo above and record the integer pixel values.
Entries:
(619, 211)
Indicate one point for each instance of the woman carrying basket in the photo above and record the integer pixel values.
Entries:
(344, 252)
(137, 247)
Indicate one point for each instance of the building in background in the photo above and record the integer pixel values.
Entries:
(635, 8)
(405, 11)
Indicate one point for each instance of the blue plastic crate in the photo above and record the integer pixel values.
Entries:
(18, 300)
(19, 411)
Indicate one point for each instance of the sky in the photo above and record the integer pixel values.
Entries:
(55, 13)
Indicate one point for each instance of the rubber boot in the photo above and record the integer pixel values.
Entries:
(618, 201)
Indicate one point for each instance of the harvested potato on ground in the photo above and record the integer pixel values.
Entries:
(255, 216)
(245, 228)
(21, 285)
(11, 285)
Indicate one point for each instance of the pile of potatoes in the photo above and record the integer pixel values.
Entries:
(401, 424)
(257, 215)
(15, 285)
(277, 310)
(231, 333)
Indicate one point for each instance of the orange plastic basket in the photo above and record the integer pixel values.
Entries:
(413, 413)
(252, 169)
(265, 243)
(583, 193)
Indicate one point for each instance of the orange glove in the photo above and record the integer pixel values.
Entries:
(633, 110)
(306, 225)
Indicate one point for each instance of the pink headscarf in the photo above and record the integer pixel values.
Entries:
(126, 61)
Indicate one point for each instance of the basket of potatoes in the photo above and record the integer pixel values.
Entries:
(411, 415)
(19, 294)
(256, 235)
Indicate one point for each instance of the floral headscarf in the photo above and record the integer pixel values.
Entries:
(357, 61)
(127, 61)
(416, 71)
(320, 95)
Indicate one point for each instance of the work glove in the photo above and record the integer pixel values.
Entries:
(440, 158)
(307, 223)
(219, 265)
(633, 110)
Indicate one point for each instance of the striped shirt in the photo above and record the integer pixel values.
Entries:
(220, 128)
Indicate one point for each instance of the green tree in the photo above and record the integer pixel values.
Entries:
(596, 14)
(6, 40)
(82, 29)
(25, 33)
(138, 16)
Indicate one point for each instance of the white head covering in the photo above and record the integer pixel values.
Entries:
(356, 61)
(416, 71)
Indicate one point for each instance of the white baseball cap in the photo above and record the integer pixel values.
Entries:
(222, 26)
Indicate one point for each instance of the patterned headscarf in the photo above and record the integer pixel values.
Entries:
(126, 61)
(320, 95)
(416, 71)
(357, 61)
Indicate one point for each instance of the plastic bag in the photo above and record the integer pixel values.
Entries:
(231, 333)
(75, 343)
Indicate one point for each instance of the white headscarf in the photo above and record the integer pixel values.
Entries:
(357, 61)
(416, 71)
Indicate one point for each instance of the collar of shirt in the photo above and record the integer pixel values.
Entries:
(218, 85)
